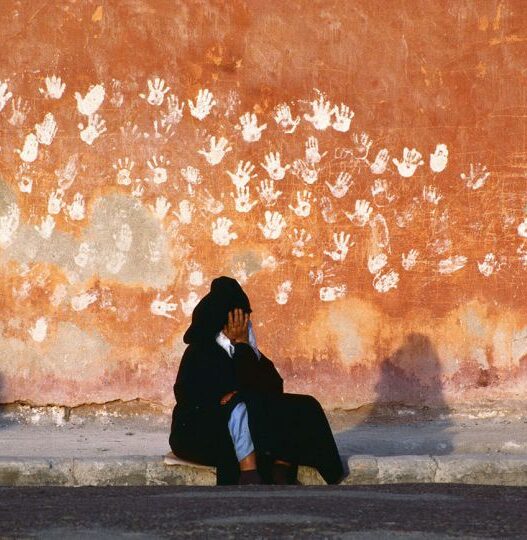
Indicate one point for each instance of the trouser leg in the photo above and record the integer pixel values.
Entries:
(239, 431)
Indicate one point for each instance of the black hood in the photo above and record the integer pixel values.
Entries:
(210, 314)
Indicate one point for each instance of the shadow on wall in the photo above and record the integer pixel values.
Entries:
(4, 421)
(410, 415)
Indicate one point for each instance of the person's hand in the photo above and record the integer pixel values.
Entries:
(227, 397)
(237, 327)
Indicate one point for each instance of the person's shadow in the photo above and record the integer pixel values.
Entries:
(409, 415)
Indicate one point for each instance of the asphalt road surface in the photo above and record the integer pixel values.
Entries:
(400, 511)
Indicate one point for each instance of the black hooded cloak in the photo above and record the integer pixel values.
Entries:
(290, 427)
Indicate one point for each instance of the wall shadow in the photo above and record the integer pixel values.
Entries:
(410, 415)
(5, 419)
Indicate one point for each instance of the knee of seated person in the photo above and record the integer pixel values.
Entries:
(313, 402)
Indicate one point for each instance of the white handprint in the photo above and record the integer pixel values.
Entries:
(283, 117)
(243, 174)
(19, 111)
(341, 186)
(439, 159)
(220, 232)
(330, 294)
(410, 259)
(39, 330)
(342, 245)
(188, 305)
(377, 262)
(115, 262)
(90, 103)
(299, 240)
(477, 176)
(138, 190)
(273, 167)
(186, 209)
(313, 155)
(67, 174)
(274, 224)
(161, 207)
(217, 150)
(192, 176)
(326, 208)
(25, 182)
(131, 132)
(156, 92)
(239, 272)
(452, 264)
(283, 291)
(268, 195)
(124, 169)
(5, 94)
(82, 301)
(55, 202)
(251, 131)
(380, 194)
(29, 151)
(209, 203)
(362, 145)
(343, 118)
(117, 97)
(46, 130)
(85, 255)
(300, 169)
(174, 112)
(158, 167)
(163, 308)
(163, 132)
(431, 194)
(321, 115)
(195, 274)
(489, 265)
(123, 237)
(381, 162)
(362, 213)
(242, 199)
(411, 160)
(204, 103)
(94, 129)
(385, 282)
(45, 229)
(77, 209)
(303, 206)
(9, 224)
(317, 276)
(522, 228)
(54, 87)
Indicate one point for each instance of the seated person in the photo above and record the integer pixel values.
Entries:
(231, 411)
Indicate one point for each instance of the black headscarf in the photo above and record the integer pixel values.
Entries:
(211, 313)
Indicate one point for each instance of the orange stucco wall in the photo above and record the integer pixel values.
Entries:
(385, 254)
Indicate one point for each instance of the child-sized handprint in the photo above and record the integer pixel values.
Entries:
(299, 240)
(156, 92)
(5, 94)
(192, 176)
(217, 150)
(19, 111)
(385, 282)
(29, 152)
(489, 265)
(90, 103)
(204, 103)
(362, 213)
(321, 113)
(283, 117)
(381, 162)
(318, 275)
(362, 144)
(326, 209)
(377, 262)
(274, 224)
(409, 260)
(380, 192)
(174, 112)
(283, 291)
(163, 133)
(342, 245)
(343, 117)
(313, 155)
(243, 174)
(45, 229)
(55, 201)
(163, 308)
(54, 87)
(77, 209)
(452, 264)
(477, 176)
(158, 166)
(307, 174)
(186, 210)
(273, 167)
(242, 199)
(439, 159)
(341, 186)
(303, 204)
(209, 203)
(251, 131)
(46, 130)
(124, 167)
(268, 195)
(431, 195)
(96, 126)
(220, 232)
(161, 207)
(411, 160)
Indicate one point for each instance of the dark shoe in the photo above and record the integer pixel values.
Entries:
(248, 478)
(283, 475)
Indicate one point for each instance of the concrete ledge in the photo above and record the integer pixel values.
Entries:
(153, 471)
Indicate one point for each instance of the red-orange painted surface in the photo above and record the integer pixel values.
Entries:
(385, 255)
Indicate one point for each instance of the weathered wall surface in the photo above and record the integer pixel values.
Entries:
(358, 166)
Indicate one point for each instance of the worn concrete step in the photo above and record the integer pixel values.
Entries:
(148, 470)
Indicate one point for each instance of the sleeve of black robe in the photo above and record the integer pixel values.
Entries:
(256, 374)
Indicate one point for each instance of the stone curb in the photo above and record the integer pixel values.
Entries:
(152, 471)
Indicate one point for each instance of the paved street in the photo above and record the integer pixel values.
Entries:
(402, 511)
